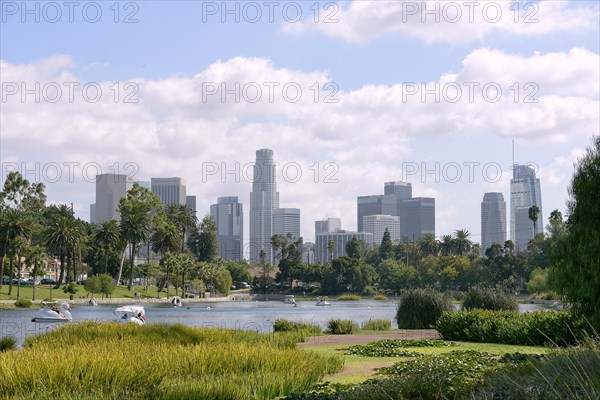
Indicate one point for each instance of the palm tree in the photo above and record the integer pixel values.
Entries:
(428, 244)
(165, 240)
(62, 236)
(14, 224)
(183, 218)
(462, 241)
(534, 212)
(107, 235)
(331, 248)
(36, 258)
(447, 245)
(135, 228)
(276, 244)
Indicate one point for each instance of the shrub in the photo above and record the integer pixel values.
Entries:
(394, 347)
(283, 325)
(341, 327)
(23, 303)
(509, 327)
(368, 291)
(8, 343)
(490, 299)
(420, 308)
(377, 325)
(379, 297)
(349, 297)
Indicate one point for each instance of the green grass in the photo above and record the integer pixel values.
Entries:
(45, 291)
(349, 297)
(109, 360)
(377, 325)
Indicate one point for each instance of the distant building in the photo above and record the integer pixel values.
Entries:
(493, 220)
(524, 192)
(264, 198)
(418, 217)
(190, 201)
(377, 224)
(286, 220)
(340, 239)
(374, 205)
(401, 190)
(328, 225)
(229, 217)
(110, 188)
(169, 190)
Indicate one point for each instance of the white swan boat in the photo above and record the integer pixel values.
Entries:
(176, 301)
(133, 314)
(321, 302)
(289, 299)
(49, 314)
(92, 302)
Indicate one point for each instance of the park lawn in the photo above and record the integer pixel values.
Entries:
(47, 291)
(358, 368)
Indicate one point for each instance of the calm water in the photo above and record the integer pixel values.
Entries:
(255, 316)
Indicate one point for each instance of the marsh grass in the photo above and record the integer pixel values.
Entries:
(377, 325)
(157, 361)
(349, 297)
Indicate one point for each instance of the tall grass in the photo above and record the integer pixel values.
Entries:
(349, 297)
(341, 327)
(490, 299)
(8, 343)
(420, 308)
(377, 325)
(155, 361)
(283, 325)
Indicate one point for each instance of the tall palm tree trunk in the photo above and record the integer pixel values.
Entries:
(12, 275)
(106, 260)
(62, 270)
(121, 266)
(132, 255)
(19, 275)
(2, 270)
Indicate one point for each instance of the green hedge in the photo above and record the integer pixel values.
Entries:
(509, 327)
(23, 303)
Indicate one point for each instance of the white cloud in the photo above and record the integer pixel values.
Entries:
(173, 131)
(453, 21)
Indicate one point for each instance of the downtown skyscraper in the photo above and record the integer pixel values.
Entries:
(228, 214)
(264, 198)
(493, 220)
(524, 192)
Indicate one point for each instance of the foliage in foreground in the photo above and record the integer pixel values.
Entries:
(420, 308)
(509, 327)
(490, 299)
(8, 343)
(341, 327)
(394, 347)
(23, 303)
(310, 329)
(155, 361)
(382, 324)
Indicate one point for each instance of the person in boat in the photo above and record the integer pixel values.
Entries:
(124, 317)
(141, 317)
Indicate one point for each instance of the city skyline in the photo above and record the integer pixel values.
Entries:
(374, 96)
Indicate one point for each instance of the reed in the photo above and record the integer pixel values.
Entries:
(111, 360)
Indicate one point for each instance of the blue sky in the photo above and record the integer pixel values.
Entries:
(370, 134)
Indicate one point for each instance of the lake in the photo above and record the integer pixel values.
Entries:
(245, 315)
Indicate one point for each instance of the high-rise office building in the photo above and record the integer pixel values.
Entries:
(418, 217)
(169, 190)
(286, 220)
(374, 205)
(328, 225)
(190, 201)
(377, 224)
(229, 217)
(493, 220)
(524, 192)
(110, 188)
(264, 198)
(402, 190)
(340, 238)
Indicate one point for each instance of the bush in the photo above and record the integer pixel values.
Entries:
(8, 343)
(490, 299)
(379, 297)
(420, 308)
(349, 297)
(283, 325)
(394, 347)
(368, 291)
(509, 327)
(23, 303)
(377, 325)
(341, 327)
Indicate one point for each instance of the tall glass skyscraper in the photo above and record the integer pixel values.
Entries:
(524, 192)
(493, 220)
(228, 213)
(264, 198)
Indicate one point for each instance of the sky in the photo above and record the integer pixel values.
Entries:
(347, 94)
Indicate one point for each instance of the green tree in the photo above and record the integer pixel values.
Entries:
(330, 249)
(203, 240)
(36, 259)
(239, 271)
(107, 235)
(447, 245)
(355, 248)
(93, 285)
(223, 281)
(14, 224)
(386, 250)
(575, 270)
(534, 212)
(428, 244)
(462, 242)
(183, 218)
(107, 285)
(538, 281)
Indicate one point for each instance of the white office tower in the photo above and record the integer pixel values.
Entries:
(493, 220)
(110, 188)
(377, 224)
(169, 190)
(524, 192)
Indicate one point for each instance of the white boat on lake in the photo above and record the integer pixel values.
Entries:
(176, 301)
(289, 299)
(321, 302)
(49, 313)
(134, 314)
